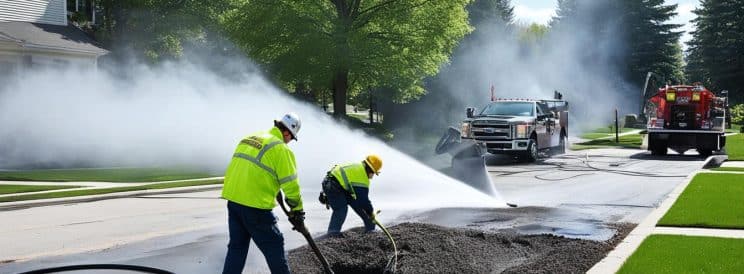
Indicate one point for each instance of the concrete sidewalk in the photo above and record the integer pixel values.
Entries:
(733, 164)
(617, 257)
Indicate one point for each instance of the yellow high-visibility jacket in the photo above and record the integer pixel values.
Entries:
(351, 175)
(262, 163)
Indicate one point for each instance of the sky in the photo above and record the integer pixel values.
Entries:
(540, 11)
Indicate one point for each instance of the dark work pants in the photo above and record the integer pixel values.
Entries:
(339, 202)
(246, 223)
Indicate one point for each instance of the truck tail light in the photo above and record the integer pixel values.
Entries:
(671, 96)
(695, 96)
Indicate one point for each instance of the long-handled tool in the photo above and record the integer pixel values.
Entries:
(302, 229)
(391, 266)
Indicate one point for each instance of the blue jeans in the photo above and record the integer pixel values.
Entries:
(246, 223)
(339, 202)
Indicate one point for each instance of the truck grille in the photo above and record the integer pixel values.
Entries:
(491, 130)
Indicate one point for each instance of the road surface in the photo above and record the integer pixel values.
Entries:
(575, 195)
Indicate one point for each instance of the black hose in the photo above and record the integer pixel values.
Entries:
(137, 268)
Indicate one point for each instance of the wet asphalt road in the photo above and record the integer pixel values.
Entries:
(575, 195)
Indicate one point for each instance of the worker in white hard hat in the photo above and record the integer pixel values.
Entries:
(348, 185)
(261, 165)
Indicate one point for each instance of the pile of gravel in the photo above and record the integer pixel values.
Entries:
(425, 248)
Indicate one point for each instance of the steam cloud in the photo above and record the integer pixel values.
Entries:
(581, 58)
(182, 114)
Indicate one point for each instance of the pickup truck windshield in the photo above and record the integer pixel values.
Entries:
(509, 109)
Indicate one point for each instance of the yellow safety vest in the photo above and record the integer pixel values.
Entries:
(351, 175)
(262, 163)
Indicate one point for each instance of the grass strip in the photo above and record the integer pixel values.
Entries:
(10, 189)
(686, 254)
(626, 141)
(96, 191)
(734, 129)
(603, 133)
(740, 169)
(714, 200)
(104, 175)
(735, 147)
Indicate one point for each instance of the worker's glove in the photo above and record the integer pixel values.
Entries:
(323, 199)
(297, 218)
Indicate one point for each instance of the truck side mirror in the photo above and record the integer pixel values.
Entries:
(469, 112)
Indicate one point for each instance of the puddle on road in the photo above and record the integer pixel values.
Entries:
(596, 223)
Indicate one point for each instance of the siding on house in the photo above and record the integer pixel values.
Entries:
(52, 12)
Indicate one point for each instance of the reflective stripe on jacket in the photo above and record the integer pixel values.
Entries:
(351, 175)
(262, 163)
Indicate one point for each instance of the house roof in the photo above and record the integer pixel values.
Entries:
(50, 37)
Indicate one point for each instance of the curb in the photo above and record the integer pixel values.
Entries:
(714, 161)
(617, 257)
(92, 198)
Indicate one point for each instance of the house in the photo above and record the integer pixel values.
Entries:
(36, 33)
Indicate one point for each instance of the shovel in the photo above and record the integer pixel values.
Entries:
(303, 230)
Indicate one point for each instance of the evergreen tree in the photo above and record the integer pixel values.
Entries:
(653, 43)
(565, 10)
(481, 11)
(716, 51)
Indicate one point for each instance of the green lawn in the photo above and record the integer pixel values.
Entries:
(734, 129)
(740, 169)
(360, 117)
(602, 133)
(10, 189)
(686, 254)
(88, 191)
(735, 147)
(626, 141)
(711, 200)
(105, 175)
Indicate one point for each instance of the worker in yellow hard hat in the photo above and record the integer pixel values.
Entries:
(261, 165)
(348, 185)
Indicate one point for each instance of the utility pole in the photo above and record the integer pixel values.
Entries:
(371, 106)
(617, 128)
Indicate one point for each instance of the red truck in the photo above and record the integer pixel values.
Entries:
(685, 117)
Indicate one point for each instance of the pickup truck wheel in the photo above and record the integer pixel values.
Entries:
(532, 153)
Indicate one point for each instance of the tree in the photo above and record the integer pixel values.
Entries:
(151, 29)
(653, 43)
(641, 27)
(716, 51)
(565, 10)
(482, 11)
(348, 46)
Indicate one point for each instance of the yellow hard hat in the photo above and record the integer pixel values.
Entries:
(374, 162)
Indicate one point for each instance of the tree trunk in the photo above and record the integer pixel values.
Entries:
(340, 88)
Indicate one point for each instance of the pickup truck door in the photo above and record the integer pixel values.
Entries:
(552, 124)
(541, 128)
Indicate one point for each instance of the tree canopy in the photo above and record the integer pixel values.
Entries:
(349, 46)
(716, 51)
(153, 30)
(650, 42)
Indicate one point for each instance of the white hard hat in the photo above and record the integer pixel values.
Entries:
(292, 122)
